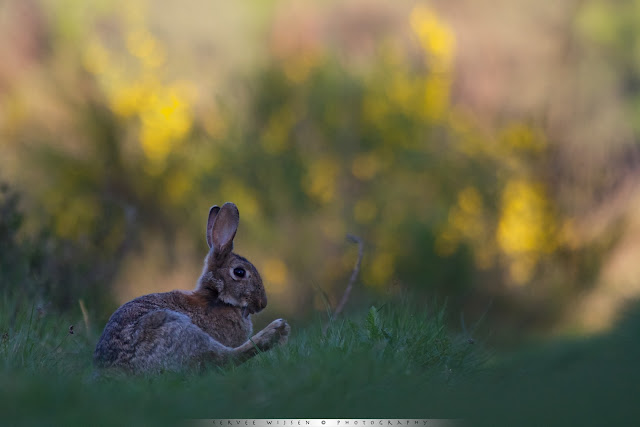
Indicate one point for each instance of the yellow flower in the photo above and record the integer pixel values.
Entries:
(320, 181)
(527, 227)
(436, 38)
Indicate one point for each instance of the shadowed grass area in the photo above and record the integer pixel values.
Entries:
(576, 382)
(396, 361)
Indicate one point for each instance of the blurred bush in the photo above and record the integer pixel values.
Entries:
(121, 127)
(42, 272)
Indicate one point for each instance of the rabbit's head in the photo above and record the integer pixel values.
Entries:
(227, 277)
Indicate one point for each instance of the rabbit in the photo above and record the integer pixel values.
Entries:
(211, 324)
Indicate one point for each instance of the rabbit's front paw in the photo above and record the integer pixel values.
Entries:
(281, 330)
(277, 332)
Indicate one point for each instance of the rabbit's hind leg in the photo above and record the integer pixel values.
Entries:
(168, 340)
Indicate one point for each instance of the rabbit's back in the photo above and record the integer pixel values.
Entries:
(168, 331)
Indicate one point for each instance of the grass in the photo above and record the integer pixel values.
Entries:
(393, 361)
(353, 370)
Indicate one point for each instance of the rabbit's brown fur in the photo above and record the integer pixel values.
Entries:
(174, 330)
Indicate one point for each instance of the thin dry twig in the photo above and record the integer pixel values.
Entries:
(85, 315)
(352, 279)
(354, 274)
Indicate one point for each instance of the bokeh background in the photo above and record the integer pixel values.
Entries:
(487, 154)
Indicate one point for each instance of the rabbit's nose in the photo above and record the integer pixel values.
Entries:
(262, 302)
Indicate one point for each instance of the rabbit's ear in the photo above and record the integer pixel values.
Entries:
(213, 212)
(224, 229)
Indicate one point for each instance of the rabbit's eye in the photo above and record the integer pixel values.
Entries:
(239, 272)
